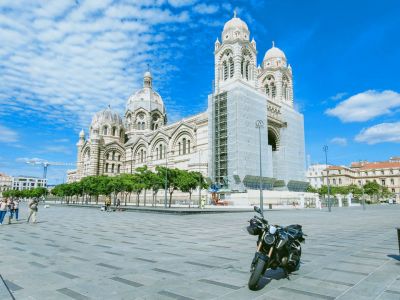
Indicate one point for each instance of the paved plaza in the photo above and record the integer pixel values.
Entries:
(83, 253)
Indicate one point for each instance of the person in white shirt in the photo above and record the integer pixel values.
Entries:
(3, 210)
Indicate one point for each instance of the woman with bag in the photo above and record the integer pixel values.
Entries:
(33, 206)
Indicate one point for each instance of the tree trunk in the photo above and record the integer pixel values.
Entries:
(144, 200)
(137, 200)
(170, 198)
(130, 197)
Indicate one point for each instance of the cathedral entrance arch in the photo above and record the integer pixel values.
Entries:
(273, 138)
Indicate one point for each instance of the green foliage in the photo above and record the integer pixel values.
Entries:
(36, 192)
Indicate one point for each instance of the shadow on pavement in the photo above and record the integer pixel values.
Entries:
(271, 274)
(396, 257)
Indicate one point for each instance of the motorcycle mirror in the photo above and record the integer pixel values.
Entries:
(257, 209)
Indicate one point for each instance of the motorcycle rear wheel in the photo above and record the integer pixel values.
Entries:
(257, 273)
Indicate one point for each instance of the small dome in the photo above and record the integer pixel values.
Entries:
(106, 117)
(145, 98)
(82, 133)
(235, 28)
(274, 52)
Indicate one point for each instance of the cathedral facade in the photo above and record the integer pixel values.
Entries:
(224, 142)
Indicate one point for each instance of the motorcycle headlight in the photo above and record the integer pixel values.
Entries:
(269, 239)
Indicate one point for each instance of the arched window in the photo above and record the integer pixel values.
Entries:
(121, 134)
(157, 157)
(247, 70)
(108, 156)
(114, 131)
(267, 91)
(142, 125)
(188, 146)
(113, 155)
(141, 156)
(231, 67)
(105, 130)
(112, 168)
(119, 157)
(179, 148)
(273, 90)
(107, 168)
(119, 169)
(161, 151)
(184, 146)
(242, 67)
(225, 70)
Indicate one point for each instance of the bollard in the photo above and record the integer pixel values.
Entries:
(398, 237)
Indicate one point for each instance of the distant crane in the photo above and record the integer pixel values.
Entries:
(46, 164)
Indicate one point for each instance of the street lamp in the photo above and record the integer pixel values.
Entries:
(131, 158)
(259, 125)
(200, 181)
(325, 148)
(166, 178)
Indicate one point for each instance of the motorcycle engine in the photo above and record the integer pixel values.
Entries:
(284, 261)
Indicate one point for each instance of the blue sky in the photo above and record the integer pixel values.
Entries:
(61, 61)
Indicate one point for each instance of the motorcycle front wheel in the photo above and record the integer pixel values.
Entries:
(257, 273)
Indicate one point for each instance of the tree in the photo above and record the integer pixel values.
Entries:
(372, 188)
(137, 186)
(311, 189)
(172, 179)
(145, 178)
(188, 181)
(157, 183)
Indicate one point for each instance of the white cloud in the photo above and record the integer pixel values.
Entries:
(339, 141)
(338, 96)
(180, 3)
(366, 106)
(380, 133)
(8, 135)
(206, 9)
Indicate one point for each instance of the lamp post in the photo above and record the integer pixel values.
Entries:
(259, 125)
(166, 179)
(325, 148)
(200, 179)
(131, 158)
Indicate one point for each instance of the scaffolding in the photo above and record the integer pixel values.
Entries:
(221, 137)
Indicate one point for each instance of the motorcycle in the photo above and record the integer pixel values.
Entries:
(277, 246)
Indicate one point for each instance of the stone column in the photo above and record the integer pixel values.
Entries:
(94, 156)
(349, 196)
(339, 197)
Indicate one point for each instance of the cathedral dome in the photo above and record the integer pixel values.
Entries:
(106, 117)
(235, 28)
(274, 52)
(146, 97)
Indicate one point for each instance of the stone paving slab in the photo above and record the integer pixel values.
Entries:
(80, 253)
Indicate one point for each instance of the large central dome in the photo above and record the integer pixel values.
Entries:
(146, 97)
(235, 28)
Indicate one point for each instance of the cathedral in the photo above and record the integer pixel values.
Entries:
(250, 111)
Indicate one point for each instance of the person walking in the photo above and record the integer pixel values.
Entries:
(10, 206)
(33, 206)
(3, 209)
(16, 208)
(118, 204)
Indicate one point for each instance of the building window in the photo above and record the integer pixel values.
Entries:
(334, 181)
(188, 146)
(112, 168)
(184, 146)
(383, 182)
(119, 169)
(113, 155)
(179, 148)
(231, 67)
(340, 181)
(225, 70)
(273, 90)
(114, 131)
(105, 130)
(107, 168)
(382, 172)
(392, 181)
(393, 190)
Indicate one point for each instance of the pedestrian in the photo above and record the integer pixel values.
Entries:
(118, 204)
(16, 208)
(10, 207)
(108, 203)
(33, 207)
(3, 209)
